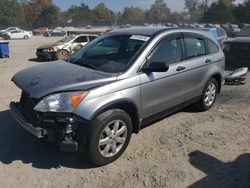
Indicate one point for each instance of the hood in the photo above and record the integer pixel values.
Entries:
(42, 80)
(51, 45)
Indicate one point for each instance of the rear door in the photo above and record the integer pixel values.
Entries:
(198, 62)
(83, 40)
(164, 90)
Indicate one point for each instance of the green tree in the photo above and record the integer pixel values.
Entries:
(242, 12)
(11, 13)
(133, 15)
(195, 9)
(80, 15)
(46, 13)
(219, 12)
(159, 12)
(102, 15)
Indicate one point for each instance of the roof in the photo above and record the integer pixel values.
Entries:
(239, 40)
(152, 31)
(146, 31)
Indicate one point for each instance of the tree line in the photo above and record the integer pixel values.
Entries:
(36, 13)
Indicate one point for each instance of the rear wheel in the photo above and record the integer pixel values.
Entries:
(109, 136)
(62, 55)
(26, 37)
(208, 96)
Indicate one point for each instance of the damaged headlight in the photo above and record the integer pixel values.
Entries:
(49, 50)
(61, 102)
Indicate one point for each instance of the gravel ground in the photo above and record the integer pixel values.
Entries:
(187, 149)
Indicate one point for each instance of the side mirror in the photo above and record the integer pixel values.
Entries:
(156, 67)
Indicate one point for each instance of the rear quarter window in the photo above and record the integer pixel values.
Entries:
(92, 38)
(212, 47)
(195, 47)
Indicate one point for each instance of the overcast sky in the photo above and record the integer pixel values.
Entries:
(118, 5)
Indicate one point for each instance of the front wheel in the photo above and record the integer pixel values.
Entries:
(109, 136)
(208, 96)
(62, 55)
(7, 37)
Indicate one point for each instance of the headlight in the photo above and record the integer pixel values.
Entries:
(49, 50)
(61, 102)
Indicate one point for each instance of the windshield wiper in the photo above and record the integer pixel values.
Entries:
(89, 66)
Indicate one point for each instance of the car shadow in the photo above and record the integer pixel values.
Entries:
(221, 174)
(38, 60)
(18, 145)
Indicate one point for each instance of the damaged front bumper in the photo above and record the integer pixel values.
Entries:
(65, 130)
(22, 120)
(42, 54)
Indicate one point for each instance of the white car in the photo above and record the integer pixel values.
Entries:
(9, 29)
(65, 47)
(16, 34)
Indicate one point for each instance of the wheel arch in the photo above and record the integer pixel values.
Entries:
(218, 78)
(126, 105)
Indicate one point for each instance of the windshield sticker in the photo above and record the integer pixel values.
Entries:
(139, 37)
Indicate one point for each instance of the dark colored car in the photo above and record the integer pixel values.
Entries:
(55, 33)
(232, 32)
(244, 32)
(237, 53)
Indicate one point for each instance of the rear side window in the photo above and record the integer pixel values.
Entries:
(168, 51)
(195, 47)
(81, 39)
(92, 38)
(212, 47)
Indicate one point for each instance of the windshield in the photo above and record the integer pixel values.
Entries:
(109, 53)
(66, 39)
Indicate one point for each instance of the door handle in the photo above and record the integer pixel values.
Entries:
(208, 61)
(180, 68)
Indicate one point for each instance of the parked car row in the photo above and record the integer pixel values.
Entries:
(44, 31)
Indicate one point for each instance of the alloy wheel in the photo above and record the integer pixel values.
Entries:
(112, 138)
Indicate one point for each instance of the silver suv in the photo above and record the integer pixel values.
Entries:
(115, 85)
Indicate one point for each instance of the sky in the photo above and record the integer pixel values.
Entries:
(118, 5)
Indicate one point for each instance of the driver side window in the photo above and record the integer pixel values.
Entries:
(168, 51)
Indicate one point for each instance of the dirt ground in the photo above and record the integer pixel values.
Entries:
(187, 149)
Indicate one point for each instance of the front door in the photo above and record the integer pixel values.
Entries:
(163, 90)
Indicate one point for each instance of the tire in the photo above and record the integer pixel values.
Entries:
(62, 55)
(7, 37)
(105, 142)
(209, 95)
(26, 37)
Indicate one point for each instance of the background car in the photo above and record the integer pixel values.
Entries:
(244, 32)
(16, 34)
(63, 48)
(237, 52)
(219, 34)
(40, 31)
(55, 33)
(9, 29)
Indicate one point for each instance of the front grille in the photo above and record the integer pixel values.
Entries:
(28, 104)
(39, 50)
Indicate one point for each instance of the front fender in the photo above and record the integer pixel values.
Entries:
(88, 109)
